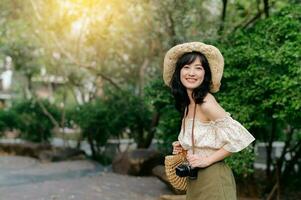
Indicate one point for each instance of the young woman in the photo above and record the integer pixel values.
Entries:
(209, 134)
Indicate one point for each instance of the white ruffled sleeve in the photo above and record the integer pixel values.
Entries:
(233, 136)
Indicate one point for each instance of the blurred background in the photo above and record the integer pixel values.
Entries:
(87, 75)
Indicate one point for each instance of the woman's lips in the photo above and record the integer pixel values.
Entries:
(191, 80)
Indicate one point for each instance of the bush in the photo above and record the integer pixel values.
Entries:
(93, 119)
(168, 128)
(33, 123)
(8, 120)
(100, 120)
(159, 96)
(242, 162)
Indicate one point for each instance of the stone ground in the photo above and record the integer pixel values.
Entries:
(23, 178)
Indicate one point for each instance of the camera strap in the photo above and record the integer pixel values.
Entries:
(192, 131)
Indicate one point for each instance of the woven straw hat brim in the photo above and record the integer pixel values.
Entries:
(213, 55)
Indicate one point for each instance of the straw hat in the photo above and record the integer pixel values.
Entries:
(213, 55)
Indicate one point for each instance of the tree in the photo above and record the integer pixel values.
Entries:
(262, 85)
(33, 122)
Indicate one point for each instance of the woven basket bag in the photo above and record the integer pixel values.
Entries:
(171, 162)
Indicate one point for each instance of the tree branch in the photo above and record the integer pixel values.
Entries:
(49, 115)
(87, 66)
(257, 16)
(37, 14)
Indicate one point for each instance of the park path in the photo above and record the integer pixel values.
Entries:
(23, 178)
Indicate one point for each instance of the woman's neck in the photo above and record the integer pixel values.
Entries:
(189, 93)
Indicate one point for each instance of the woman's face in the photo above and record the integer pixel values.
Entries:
(192, 75)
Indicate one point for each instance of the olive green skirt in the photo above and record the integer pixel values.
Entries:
(215, 182)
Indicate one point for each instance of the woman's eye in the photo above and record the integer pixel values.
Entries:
(186, 67)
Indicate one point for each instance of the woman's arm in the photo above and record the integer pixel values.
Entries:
(199, 161)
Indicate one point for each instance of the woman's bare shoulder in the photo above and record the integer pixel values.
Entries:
(211, 108)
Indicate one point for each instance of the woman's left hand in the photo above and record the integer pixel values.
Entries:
(198, 161)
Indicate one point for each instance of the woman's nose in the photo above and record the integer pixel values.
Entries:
(191, 72)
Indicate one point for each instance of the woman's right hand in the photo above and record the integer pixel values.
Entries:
(177, 148)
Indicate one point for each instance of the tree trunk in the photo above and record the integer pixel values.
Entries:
(63, 116)
(269, 149)
(91, 143)
(28, 89)
(140, 137)
(294, 160)
(171, 29)
(141, 76)
(152, 130)
(223, 19)
(266, 8)
(288, 140)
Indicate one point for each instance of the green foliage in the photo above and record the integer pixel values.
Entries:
(159, 95)
(100, 120)
(92, 118)
(8, 120)
(261, 85)
(262, 71)
(34, 124)
(168, 128)
(139, 120)
(242, 162)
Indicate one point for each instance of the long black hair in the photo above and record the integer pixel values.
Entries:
(178, 89)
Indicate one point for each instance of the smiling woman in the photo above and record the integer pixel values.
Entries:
(194, 71)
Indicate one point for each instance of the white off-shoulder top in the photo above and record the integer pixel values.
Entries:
(210, 136)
